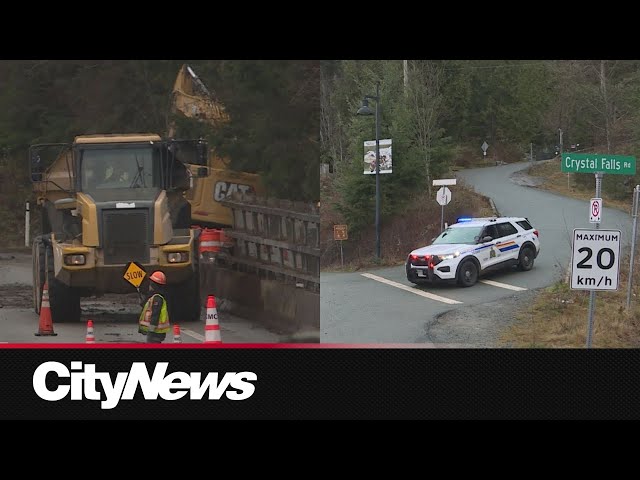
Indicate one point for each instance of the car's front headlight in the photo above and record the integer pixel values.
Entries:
(449, 256)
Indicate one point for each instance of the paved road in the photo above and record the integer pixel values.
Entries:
(114, 316)
(362, 309)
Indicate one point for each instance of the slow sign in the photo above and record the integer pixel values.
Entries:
(134, 274)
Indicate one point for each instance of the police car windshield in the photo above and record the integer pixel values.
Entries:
(468, 235)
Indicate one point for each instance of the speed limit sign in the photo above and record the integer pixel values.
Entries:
(595, 263)
(595, 210)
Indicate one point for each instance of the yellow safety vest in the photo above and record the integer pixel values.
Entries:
(144, 322)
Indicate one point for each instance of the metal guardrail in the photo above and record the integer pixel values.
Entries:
(275, 238)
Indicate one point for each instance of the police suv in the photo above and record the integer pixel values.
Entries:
(469, 248)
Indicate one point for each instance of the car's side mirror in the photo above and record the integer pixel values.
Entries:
(487, 238)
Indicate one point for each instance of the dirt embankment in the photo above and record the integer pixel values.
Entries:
(479, 326)
(405, 231)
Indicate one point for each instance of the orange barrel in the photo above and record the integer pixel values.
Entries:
(210, 242)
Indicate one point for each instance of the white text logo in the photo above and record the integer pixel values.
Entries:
(223, 190)
(83, 381)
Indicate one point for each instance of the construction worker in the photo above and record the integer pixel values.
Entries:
(154, 318)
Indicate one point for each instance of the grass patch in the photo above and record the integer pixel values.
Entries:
(556, 181)
(410, 229)
(558, 317)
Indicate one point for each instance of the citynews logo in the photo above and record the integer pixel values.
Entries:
(174, 386)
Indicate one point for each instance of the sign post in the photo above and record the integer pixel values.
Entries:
(598, 164)
(340, 233)
(443, 196)
(634, 214)
(592, 293)
(595, 265)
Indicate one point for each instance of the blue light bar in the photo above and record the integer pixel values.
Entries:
(465, 219)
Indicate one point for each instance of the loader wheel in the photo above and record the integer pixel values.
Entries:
(63, 300)
(185, 301)
(38, 262)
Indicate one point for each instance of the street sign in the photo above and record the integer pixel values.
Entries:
(592, 163)
(595, 210)
(444, 181)
(443, 196)
(485, 145)
(595, 261)
(134, 274)
(340, 232)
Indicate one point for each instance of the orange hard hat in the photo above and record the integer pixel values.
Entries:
(158, 277)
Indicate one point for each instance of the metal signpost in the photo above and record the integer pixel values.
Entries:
(340, 233)
(634, 214)
(26, 225)
(484, 147)
(443, 196)
(595, 263)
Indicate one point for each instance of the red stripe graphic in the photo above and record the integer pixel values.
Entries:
(225, 345)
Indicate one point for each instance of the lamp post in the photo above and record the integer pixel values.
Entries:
(365, 110)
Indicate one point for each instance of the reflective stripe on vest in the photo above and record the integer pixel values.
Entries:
(144, 321)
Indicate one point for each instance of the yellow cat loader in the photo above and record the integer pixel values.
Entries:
(108, 201)
(213, 181)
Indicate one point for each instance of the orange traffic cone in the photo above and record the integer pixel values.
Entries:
(176, 334)
(212, 327)
(90, 336)
(46, 322)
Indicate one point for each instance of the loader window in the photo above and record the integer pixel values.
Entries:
(115, 168)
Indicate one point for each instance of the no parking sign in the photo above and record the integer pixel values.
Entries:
(595, 210)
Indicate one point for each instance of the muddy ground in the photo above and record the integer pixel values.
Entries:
(115, 316)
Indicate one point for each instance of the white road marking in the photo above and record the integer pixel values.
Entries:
(503, 285)
(193, 334)
(409, 289)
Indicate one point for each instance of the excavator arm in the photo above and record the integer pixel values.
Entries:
(192, 98)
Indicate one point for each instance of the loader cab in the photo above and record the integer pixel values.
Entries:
(146, 167)
(117, 167)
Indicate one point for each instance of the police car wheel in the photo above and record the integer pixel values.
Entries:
(525, 259)
(468, 274)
